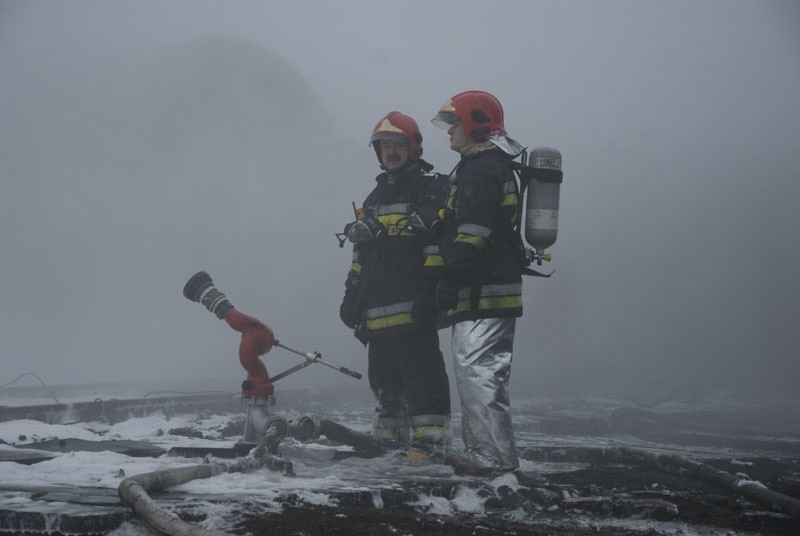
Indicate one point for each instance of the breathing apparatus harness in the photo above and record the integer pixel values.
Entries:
(541, 177)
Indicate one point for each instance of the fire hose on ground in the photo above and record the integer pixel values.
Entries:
(134, 491)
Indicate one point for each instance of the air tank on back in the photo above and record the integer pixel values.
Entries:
(544, 177)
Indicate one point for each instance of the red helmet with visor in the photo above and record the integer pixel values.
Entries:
(398, 127)
(480, 113)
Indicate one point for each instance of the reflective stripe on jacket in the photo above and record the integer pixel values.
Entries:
(481, 242)
(405, 263)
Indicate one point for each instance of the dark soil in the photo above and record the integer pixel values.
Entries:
(602, 497)
(360, 521)
(619, 491)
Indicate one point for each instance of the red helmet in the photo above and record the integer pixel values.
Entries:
(480, 113)
(399, 127)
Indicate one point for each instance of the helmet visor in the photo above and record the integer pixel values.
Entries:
(444, 120)
(389, 136)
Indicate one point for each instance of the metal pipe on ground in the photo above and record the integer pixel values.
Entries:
(748, 489)
(751, 490)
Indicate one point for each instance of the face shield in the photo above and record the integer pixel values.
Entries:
(388, 136)
(444, 120)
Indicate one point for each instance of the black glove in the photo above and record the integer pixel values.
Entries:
(346, 312)
(366, 230)
(446, 295)
(349, 310)
(423, 311)
(425, 220)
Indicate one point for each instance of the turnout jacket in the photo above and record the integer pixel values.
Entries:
(395, 276)
(481, 244)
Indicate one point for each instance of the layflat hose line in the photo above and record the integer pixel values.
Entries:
(134, 491)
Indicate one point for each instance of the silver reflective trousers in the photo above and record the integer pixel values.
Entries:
(482, 351)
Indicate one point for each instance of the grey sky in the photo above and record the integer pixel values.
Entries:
(144, 141)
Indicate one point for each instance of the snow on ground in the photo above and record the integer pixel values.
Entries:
(317, 475)
(261, 490)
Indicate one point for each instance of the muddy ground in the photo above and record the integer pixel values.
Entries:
(751, 486)
(618, 491)
(588, 470)
(608, 498)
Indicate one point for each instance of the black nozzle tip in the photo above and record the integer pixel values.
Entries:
(196, 285)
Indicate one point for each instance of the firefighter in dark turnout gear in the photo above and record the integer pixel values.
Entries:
(390, 290)
(480, 291)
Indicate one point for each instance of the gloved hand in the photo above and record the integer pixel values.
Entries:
(367, 230)
(423, 311)
(446, 295)
(347, 312)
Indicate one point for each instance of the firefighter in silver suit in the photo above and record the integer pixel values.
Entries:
(480, 287)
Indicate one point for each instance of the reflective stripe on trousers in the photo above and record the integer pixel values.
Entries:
(482, 351)
(390, 428)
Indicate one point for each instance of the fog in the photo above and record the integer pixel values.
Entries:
(141, 142)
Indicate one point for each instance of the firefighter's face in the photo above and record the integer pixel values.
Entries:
(458, 139)
(394, 154)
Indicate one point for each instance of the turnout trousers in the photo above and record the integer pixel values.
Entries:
(482, 352)
(408, 377)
